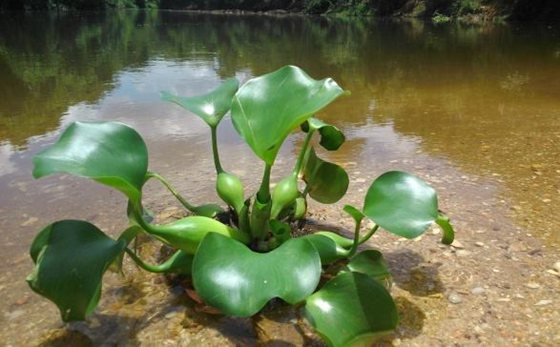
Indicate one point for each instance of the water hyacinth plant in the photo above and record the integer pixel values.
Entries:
(239, 266)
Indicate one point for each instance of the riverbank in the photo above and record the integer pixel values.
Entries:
(437, 10)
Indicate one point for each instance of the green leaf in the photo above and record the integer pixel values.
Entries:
(210, 107)
(207, 210)
(401, 203)
(445, 225)
(111, 153)
(326, 182)
(70, 259)
(340, 240)
(267, 108)
(187, 233)
(239, 282)
(356, 214)
(331, 137)
(351, 309)
(370, 262)
(329, 250)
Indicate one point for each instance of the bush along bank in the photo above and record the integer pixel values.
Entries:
(437, 10)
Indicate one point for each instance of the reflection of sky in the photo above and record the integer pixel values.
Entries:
(6, 166)
(145, 84)
(135, 100)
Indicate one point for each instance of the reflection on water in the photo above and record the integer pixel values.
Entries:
(480, 101)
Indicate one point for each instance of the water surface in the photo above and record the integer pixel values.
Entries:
(476, 103)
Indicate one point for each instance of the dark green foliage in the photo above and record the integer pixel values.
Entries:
(70, 258)
(75, 4)
(541, 10)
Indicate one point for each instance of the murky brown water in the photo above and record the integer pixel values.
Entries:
(475, 110)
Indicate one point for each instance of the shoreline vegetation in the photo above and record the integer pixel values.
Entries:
(439, 11)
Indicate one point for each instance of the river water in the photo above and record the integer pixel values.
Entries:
(473, 109)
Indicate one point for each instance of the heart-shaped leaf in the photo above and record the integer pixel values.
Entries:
(370, 262)
(331, 137)
(326, 182)
(401, 203)
(111, 153)
(351, 309)
(239, 282)
(70, 259)
(267, 108)
(210, 107)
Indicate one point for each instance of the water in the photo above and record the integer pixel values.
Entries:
(473, 109)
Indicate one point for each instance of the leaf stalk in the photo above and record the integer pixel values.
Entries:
(215, 152)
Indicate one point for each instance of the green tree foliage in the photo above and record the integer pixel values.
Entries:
(75, 4)
(547, 10)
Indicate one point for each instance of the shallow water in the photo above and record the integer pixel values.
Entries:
(479, 105)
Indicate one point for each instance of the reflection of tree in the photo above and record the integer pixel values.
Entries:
(51, 62)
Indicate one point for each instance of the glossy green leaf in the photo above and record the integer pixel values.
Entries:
(401, 203)
(356, 214)
(331, 137)
(445, 225)
(267, 108)
(239, 282)
(207, 210)
(70, 259)
(370, 262)
(340, 240)
(351, 309)
(329, 250)
(210, 107)
(111, 153)
(187, 233)
(326, 182)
